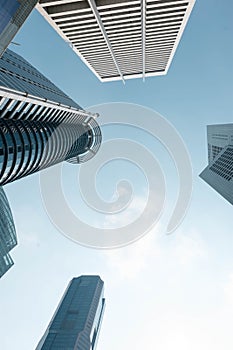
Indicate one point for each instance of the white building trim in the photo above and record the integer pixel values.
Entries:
(120, 39)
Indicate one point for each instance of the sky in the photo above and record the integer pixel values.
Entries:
(163, 291)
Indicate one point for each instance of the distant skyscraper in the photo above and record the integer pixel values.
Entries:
(39, 124)
(13, 13)
(219, 173)
(120, 39)
(76, 323)
(7, 234)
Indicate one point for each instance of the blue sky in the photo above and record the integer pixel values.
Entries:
(163, 291)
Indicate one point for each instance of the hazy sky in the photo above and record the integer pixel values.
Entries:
(162, 292)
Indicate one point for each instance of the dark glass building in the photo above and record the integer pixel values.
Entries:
(7, 234)
(219, 172)
(13, 13)
(39, 124)
(76, 323)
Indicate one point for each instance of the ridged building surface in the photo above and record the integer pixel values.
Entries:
(8, 238)
(39, 124)
(119, 39)
(77, 320)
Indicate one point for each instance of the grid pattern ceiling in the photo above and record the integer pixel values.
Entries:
(120, 39)
(223, 166)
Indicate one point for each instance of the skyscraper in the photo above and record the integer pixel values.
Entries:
(7, 234)
(13, 13)
(39, 124)
(120, 39)
(76, 323)
(219, 172)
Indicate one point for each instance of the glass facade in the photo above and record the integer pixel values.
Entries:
(7, 234)
(19, 75)
(7, 11)
(39, 124)
(77, 321)
(13, 13)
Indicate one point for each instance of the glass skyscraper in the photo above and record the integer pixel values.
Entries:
(13, 13)
(219, 172)
(76, 323)
(39, 124)
(7, 234)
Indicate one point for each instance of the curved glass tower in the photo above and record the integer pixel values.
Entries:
(7, 234)
(39, 125)
(29, 146)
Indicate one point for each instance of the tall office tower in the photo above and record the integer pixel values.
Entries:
(76, 323)
(39, 124)
(219, 172)
(120, 39)
(13, 13)
(7, 234)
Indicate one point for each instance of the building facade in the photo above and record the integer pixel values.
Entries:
(39, 124)
(13, 13)
(219, 172)
(8, 238)
(76, 323)
(120, 39)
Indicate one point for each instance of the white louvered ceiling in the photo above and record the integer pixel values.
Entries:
(120, 39)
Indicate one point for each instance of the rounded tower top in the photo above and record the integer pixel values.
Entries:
(95, 138)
